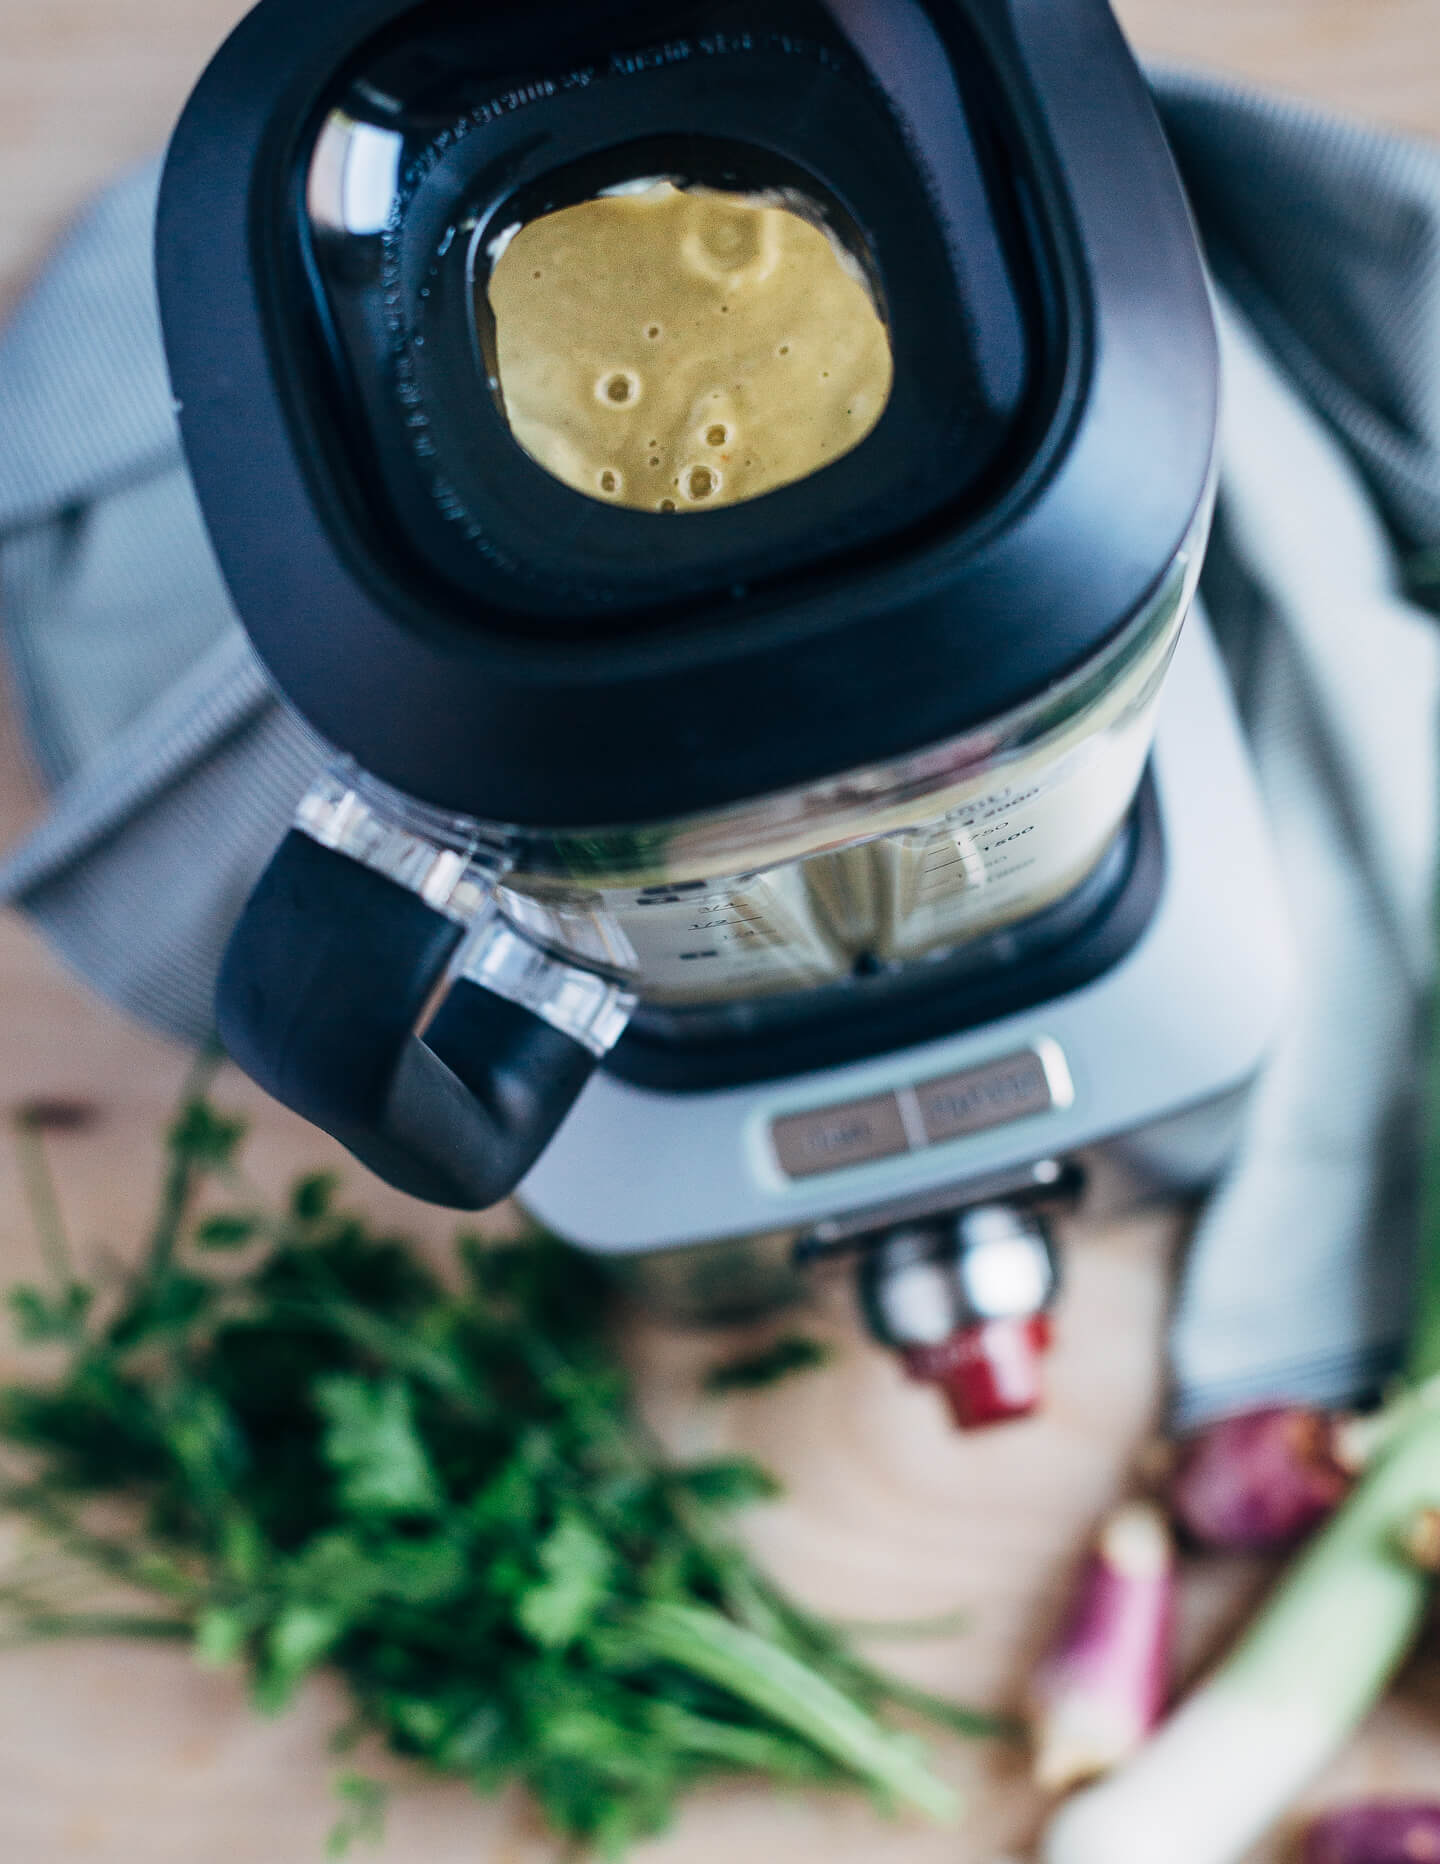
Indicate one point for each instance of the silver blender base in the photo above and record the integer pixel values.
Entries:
(1148, 1064)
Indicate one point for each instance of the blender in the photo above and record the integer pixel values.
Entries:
(808, 851)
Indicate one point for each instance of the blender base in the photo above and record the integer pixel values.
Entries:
(1148, 1063)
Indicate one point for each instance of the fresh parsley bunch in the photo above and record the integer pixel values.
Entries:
(443, 1492)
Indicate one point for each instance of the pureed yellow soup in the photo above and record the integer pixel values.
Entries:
(677, 350)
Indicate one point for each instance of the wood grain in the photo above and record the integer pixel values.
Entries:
(116, 1755)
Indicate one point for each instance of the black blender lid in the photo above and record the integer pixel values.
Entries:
(481, 635)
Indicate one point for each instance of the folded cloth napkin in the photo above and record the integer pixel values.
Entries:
(1324, 239)
(174, 770)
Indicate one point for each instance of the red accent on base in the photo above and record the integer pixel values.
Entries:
(990, 1372)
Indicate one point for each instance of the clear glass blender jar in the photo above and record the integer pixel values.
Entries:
(876, 869)
(585, 306)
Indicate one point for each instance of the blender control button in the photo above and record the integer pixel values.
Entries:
(831, 1137)
(1004, 1090)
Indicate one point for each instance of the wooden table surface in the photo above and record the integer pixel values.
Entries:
(115, 1755)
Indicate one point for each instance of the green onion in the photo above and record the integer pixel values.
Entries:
(1423, 1364)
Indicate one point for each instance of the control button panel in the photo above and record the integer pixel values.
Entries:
(952, 1106)
(972, 1102)
(852, 1133)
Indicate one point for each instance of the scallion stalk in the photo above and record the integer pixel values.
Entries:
(1423, 1363)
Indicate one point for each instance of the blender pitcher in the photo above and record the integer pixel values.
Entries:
(783, 758)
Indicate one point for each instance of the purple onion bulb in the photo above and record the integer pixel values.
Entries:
(1376, 1832)
(1102, 1687)
(1258, 1482)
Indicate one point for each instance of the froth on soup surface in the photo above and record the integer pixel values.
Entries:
(676, 350)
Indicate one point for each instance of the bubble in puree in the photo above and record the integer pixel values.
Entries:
(678, 350)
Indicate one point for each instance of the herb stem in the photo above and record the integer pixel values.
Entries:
(974, 1724)
(779, 1685)
(393, 1348)
(182, 1177)
(139, 1566)
(43, 1203)
(827, 1641)
(42, 1627)
(906, 1630)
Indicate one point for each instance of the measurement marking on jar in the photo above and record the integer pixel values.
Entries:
(675, 893)
(1004, 841)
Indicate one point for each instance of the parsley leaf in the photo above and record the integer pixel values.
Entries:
(769, 1366)
(579, 1572)
(371, 1442)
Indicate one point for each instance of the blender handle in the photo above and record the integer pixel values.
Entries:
(326, 975)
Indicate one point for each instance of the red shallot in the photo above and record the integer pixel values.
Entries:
(1102, 1688)
(1377, 1831)
(1259, 1481)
